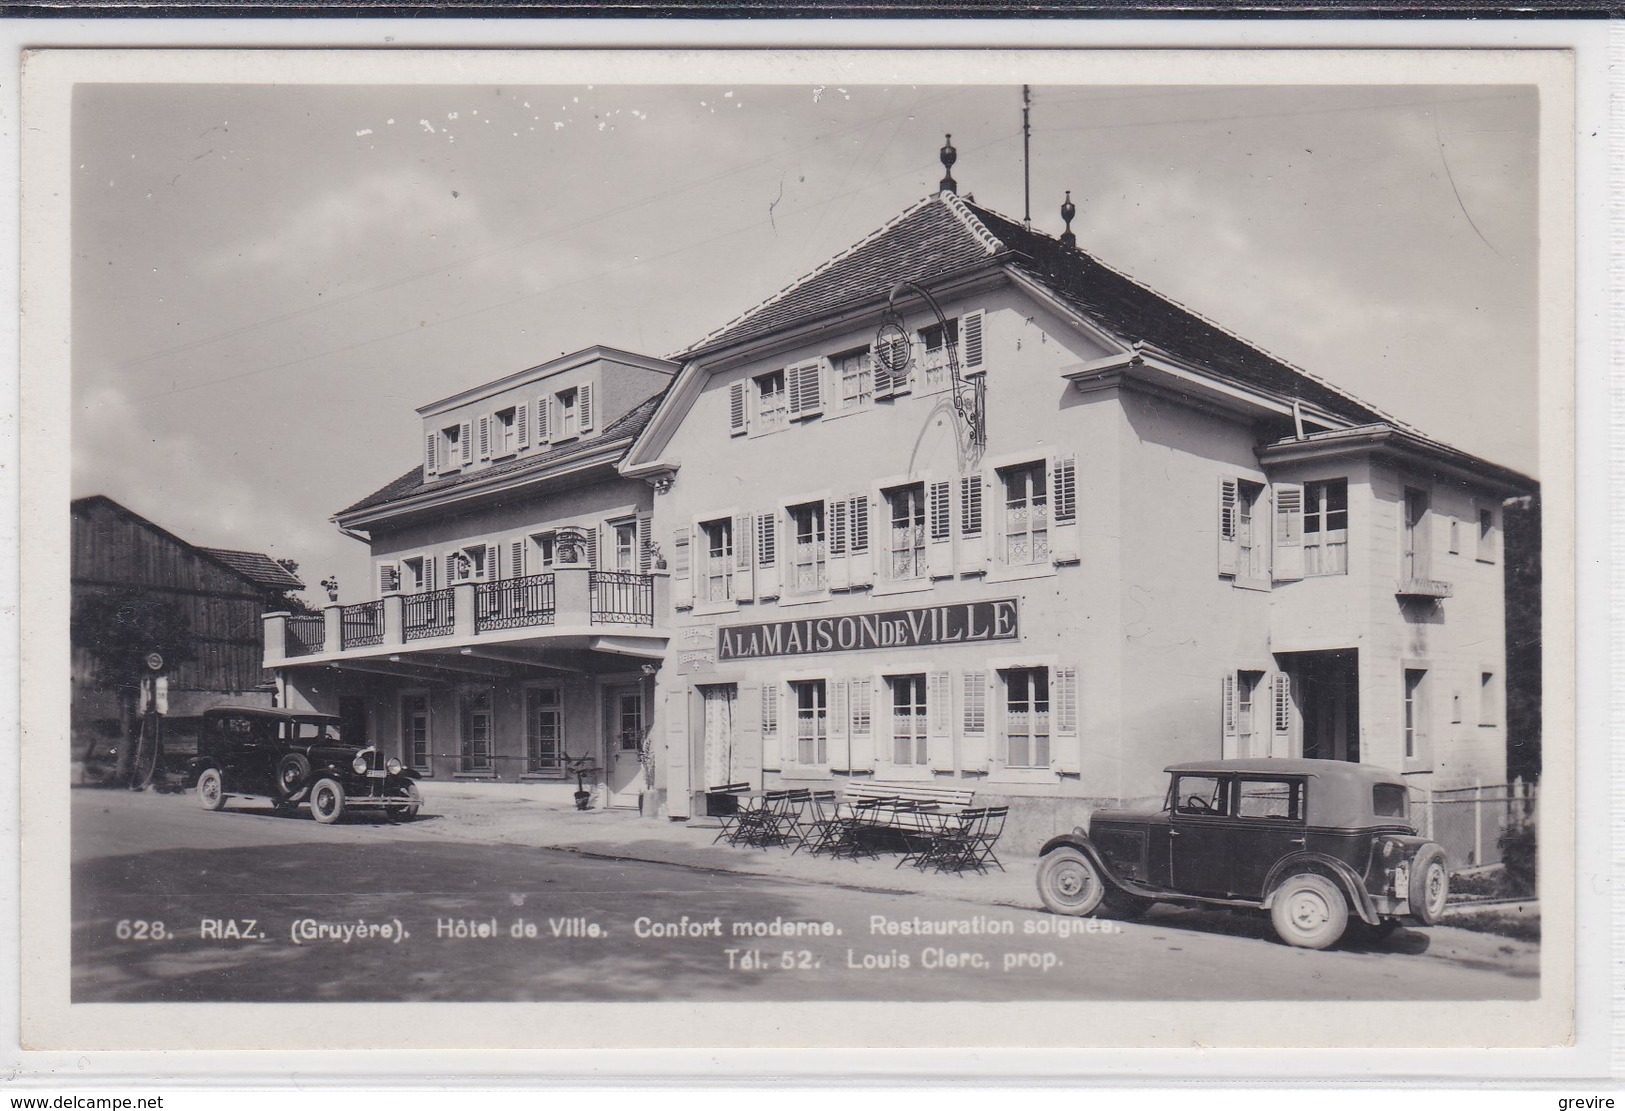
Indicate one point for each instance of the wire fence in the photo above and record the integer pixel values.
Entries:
(1469, 821)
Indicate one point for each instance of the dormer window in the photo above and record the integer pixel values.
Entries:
(569, 415)
(451, 446)
(504, 433)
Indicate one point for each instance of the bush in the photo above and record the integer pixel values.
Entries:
(1518, 853)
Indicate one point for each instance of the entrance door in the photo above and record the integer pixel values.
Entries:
(623, 716)
(720, 704)
(1325, 687)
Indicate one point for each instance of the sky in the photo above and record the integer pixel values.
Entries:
(269, 280)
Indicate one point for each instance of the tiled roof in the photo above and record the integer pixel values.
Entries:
(944, 235)
(626, 426)
(258, 567)
(929, 238)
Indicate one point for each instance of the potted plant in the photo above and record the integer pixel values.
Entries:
(582, 767)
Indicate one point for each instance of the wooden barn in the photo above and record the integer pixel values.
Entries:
(220, 592)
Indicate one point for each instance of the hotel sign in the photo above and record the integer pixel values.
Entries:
(957, 623)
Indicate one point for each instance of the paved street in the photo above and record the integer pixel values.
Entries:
(256, 906)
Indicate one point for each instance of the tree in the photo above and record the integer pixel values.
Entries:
(288, 599)
(1521, 518)
(117, 629)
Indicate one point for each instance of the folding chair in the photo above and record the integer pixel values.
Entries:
(727, 800)
(917, 826)
(822, 827)
(980, 848)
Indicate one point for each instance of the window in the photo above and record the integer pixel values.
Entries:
(717, 571)
(1026, 717)
(771, 410)
(907, 505)
(477, 732)
(807, 570)
(1390, 800)
(1251, 559)
(624, 554)
(812, 721)
(1486, 698)
(415, 730)
(934, 355)
(467, 565)
(1326, 527)
(414, 575)
(1415, 713)
(569, 412)
(544, 727)
(504, 434)
(1247, 718)
(856, 372)
(546, 547)
(451, 447)
(1455, 707)
(1415, 542)
(1026, 515)
(1263, 798)
(629, 720)
(908, 719)
(1199, 794)
(1486, 535)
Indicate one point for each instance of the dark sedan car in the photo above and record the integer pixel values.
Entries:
(1315, 843)
(292, 757)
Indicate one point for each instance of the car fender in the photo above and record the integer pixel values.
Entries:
(1081, 842)
(1358, 897)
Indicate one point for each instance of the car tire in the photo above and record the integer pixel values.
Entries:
(1120, 904)
(327, 800)
(292, 773)
(1309, 911)
(1430, 885)
(211, 789)
(1069, 883)
(407, 809)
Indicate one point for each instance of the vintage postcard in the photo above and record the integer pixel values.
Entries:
(763, 549)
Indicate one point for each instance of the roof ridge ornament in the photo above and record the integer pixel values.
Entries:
(949, 156)
(1068, 210)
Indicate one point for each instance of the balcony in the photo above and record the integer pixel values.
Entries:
(1422, 588)
(568, 608)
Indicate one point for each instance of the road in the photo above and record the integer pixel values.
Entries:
(256, 906)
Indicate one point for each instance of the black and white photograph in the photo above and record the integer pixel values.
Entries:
(807, 529)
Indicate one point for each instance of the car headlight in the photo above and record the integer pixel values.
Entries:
(360, 764)
(394, 766)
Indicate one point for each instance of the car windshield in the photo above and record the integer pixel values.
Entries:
(1198, 794)
(318, 729)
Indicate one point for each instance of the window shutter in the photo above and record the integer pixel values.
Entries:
(682, 587)
(939, 529)
(1229, 513)
(646, 556)
(521, 425)
(862, 742)
(939, 739)
(1227, 709)
(492, 556)
(970, 341)
(676, 756)
(431, 573)
(840, 722)
(591, 534)
(1064, 504)
(430, 461)
(804, 384)
(835, 524)
(767, 556)
(485, 437)
(860, 560)
(516, 559)
(772, 729)
(584, 406)
(974, 752)
(1066, 748)
(972, 541)
(745, 761)
(1281, 716)
(465, 438)
(389, 577)
(1288, 532)
(737, 422)
(744, 585)
(544, 419)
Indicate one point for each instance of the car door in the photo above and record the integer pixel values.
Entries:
(1200, 828)
(1269, 825)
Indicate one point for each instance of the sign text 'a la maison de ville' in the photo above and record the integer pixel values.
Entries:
(957, 623)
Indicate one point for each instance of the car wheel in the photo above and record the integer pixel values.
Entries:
(409, 802)
(1069, 883)
(327, 801)
(1430, 885)
(211, 789)
(292, 772)
(1309, 911)
(1120, 904)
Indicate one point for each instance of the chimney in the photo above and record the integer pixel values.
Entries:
(949, 156)
(1068, 210)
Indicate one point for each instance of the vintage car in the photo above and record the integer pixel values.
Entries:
(1316, 843)
(292, 757)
